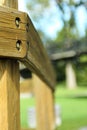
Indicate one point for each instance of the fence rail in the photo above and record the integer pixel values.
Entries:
(19, 41)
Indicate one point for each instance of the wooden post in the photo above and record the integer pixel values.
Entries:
(50, 107)
(44, 105)
(9, 3)
(9, 95)
(9, 88)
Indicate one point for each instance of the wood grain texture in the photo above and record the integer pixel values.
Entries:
(50, 107)
(32, 52)
(37, 59)
(41, 115)
(9, 3)
(26, 86)
(44, 105)
(9, 95)
(10, 33)
(9, 90)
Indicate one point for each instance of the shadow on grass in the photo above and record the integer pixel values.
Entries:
(78, 96)
(74, 96)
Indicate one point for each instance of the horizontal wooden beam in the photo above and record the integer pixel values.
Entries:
(19, 39)
(12, 33)
(37, 59)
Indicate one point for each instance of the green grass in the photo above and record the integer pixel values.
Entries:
(25, 104)
(73, 108)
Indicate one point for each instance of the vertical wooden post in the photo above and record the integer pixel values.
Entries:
(44, 105)
(9, 95)
(9, 3)
(50, 107)
(9, 88)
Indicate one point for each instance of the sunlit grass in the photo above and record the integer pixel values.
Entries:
(62, 91)
(25, 104)
(73, 107)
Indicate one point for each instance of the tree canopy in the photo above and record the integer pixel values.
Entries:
(69, 14)
(62, 24)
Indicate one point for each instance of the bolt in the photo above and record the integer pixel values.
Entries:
(18, 45)
(17, 21)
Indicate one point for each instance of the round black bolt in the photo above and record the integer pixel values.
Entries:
(17, 21)
(18, 45)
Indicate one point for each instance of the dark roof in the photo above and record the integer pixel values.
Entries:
(75, 49)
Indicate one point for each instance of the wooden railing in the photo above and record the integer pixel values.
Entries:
(19, 41)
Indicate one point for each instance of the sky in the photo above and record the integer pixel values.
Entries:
(81, 17)
(52, 26)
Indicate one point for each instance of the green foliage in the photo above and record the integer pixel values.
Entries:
(83, 59)
(37, 8)
(43, 3)
(40, 11)
(66, 13)
(81, 72)
(60, 70)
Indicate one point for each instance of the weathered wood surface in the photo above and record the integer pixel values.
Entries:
(9, 89)
(26, 86)
(41, 110)
(35, 58)
(9, 95)
(50, 107)
(44, 105)
(12, 33)
(9, 3)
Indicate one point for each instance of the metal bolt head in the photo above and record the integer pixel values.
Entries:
(17, 21)
(18, 45)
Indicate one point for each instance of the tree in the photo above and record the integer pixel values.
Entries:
(66, 12)
(42, 13)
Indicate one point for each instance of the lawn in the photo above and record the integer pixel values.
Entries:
(25, 104)
(73, 108)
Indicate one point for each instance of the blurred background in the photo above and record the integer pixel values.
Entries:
(62, 26)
